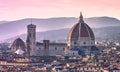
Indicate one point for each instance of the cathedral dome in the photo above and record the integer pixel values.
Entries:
(18, 44)
(80, 34)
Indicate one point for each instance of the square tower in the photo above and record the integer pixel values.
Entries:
(31, 40)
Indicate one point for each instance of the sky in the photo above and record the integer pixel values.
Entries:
(19, 9)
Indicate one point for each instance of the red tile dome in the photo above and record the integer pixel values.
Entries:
(80, 30)
(18, 43)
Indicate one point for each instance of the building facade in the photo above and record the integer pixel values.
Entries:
(51, 49)
(42, 49)
(81, 40)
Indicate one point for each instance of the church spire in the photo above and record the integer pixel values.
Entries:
(81, 18)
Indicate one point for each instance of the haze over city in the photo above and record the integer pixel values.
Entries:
(19, 9)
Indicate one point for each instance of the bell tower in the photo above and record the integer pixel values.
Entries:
(31, 40)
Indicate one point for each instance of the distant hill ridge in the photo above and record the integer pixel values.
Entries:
(111, 33)
(10, 29)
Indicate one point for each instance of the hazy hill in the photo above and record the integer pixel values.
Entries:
(102, 22)
(1, 22)
(111, 33)
(13, 28)
(53, 35)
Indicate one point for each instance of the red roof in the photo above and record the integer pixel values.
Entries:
(81, 29)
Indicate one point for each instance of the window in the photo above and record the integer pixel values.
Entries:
(75, 43)
(29, 34)
(55, 48)
(39, 48)
(63, 48)
(73, 53)
(84, 42)
(91, 42)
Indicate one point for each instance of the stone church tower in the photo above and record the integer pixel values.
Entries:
(31, 40)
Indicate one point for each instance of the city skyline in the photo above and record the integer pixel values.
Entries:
(59, 36)
(14, 10)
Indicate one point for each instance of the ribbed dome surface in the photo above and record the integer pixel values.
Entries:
(81, 29)
(18, 43)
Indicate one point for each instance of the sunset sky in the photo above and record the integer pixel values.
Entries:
(19, 9)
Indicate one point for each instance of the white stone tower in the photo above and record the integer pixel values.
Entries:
(31, 40)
